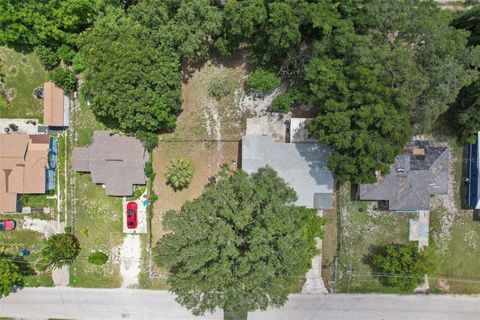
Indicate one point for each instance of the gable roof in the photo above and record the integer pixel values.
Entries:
(53, 105)
(23, 163)
(417, 174)
(115, 161)
(301, 165)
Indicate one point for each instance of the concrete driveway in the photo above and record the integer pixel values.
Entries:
(141, 217)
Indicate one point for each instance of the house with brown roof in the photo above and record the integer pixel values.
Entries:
(23, 167)
(55, 106)
(115, 161)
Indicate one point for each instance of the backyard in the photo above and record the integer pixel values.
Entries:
(208, 133)
(20, 74)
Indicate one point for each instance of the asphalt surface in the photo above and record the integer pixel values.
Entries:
(77, 303)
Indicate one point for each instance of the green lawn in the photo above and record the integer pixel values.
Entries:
(23, 73)
(12, 242)
(361, 230)
(98, 218)
(455, 236)
(98, 226)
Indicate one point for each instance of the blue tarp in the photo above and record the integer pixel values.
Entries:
(50, 183)
(472, 186)
(52, 153)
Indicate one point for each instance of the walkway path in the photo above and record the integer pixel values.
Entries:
(314, 283)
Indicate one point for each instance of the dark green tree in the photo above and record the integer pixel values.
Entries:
(48, 58)
(440, 50)
(240, 246)
(188, 26)
(60, 249)
(132, 81)
(274, 29)
(64, 79)
(363, 98)
(10, 276)
(405, 265)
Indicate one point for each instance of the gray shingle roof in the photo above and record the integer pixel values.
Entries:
(301, 165)
(115, 161)
(412, 179)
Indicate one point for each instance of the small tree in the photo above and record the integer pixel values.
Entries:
(179, 173)
(10, 276)
(263, 80)
(98, 258)
(282, 103)
(64, 79)
(61, 249)
(48, 58)
(405, 265)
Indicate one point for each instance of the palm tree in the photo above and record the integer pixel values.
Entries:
(179, 173)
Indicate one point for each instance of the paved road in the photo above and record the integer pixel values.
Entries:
(70, 303)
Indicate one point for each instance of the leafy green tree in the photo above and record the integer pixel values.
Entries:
(64, 79)
(405, 265)
(363, 114)
(263, 80)
(132, 82)
(188, 26)
(240, 246)
(98, 258)
(60, 249)
(469, 20)
(440, 50)
(10, 276)
(48, 58)
(51, 23)
(179, 173)
(282, 103)
(274, 29)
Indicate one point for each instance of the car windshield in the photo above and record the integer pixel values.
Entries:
(131, 211)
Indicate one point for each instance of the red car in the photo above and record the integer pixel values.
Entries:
(7, 225)
(131, 215)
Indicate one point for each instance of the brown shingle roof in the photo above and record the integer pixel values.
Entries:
(113, 160)
(53, 110)
(23, 161)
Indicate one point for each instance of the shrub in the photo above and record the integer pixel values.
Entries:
(98, 258)
(220, 88)
(66, 54)
(60, 249)
(263, 80)
(282, 103)
(84, 232)
(78, 64)
(48, 58)
(179, 173)
(405, 265)
(67, 229)
(148, 169)
(64, 79)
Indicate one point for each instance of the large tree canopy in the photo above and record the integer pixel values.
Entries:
(132, 81)
(10, 276)
(363, 98)
(28, 23)
(240, 246)
(440, 50)
(467, 108)
(188, 26)
(274, 29)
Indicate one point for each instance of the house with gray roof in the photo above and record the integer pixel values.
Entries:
(303, 165)
(419, 173)
(115, 161)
